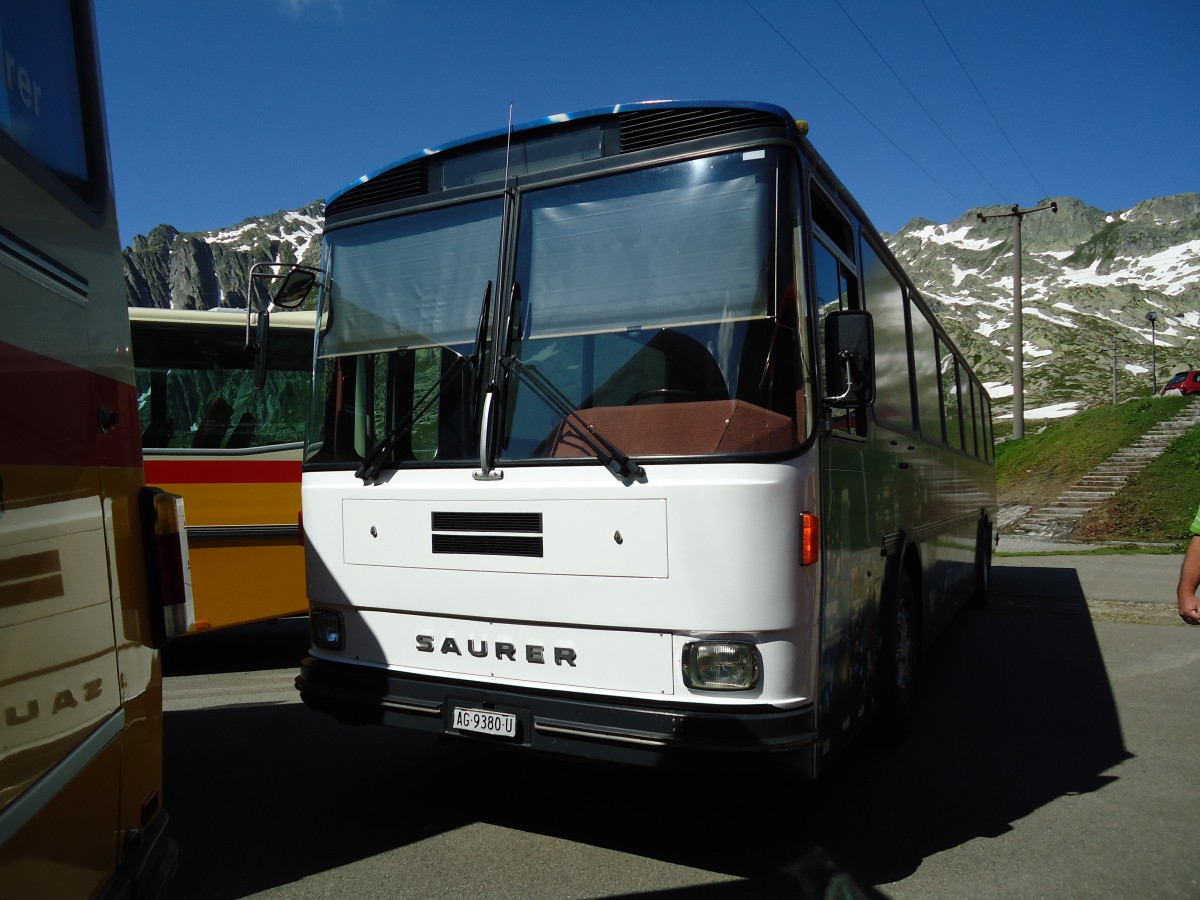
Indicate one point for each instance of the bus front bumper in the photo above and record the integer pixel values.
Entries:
(581, 726)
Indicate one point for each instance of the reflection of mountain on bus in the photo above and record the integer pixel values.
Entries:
(231, 451)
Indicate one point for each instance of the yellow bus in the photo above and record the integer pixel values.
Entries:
(92, 564)
(231, 450)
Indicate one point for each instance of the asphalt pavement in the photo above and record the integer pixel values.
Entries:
(1137, 588)
(1050, 756)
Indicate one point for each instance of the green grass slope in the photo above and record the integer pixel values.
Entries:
(1157, 505)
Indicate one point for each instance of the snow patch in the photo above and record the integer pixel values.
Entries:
(1055, 411)
(937, 234)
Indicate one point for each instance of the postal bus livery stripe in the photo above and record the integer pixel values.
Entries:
(58, 414)
(223, 471)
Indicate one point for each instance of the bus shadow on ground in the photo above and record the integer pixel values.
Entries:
(1016, 711)
(259, 646)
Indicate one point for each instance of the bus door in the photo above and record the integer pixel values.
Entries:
(853, 569)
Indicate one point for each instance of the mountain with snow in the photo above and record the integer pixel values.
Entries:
(1089, 278)
(209, 269)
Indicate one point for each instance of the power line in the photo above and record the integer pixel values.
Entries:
(979, 94)
(917, 101)
(853, 106)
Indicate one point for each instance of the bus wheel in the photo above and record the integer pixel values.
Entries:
(898, 665)
(982, 593)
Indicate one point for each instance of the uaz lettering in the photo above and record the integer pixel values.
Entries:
(21, 713)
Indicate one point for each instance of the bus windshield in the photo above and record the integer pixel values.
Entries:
(648, 301)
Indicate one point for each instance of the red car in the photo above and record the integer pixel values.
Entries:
(1185, 382)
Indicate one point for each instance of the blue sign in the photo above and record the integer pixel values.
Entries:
(40, 104)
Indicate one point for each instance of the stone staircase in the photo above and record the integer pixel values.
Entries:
(1059, 518)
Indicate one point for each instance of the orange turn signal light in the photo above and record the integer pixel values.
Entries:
(810, 539)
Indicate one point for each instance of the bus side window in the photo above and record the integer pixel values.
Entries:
(968, 412)
(925, 369)
(210, 432)
(950, 399)
(885, 303)
(243, 434)
(160, 428)
(988, 440)
(837, 289)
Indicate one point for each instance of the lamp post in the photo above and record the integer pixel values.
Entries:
(1152, 317)
(1016, 214)
(1114, 353)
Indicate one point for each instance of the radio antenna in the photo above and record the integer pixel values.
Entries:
(508, 146)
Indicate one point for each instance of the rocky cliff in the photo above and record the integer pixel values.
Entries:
(203, 270)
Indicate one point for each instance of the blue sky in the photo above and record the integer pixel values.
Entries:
(227, 109)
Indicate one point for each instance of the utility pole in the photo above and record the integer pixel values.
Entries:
(1114, 353)
(1152, 317)
(1018, 325)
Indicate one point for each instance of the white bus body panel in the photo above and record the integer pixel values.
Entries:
(628, 575)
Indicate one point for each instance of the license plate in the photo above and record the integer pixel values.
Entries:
(484, 721)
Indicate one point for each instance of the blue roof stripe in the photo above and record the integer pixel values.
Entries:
(559, 118)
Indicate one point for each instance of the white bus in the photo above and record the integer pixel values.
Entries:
(631, 440)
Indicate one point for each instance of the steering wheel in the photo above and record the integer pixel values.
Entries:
(667, 395)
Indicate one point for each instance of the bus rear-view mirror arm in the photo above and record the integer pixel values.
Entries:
(849, 359)
(297, 284)
(851, 387)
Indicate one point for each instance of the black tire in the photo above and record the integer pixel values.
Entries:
(899, 664)
(981, 595)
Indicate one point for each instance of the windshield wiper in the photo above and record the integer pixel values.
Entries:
(603, 449)
(493, 395)
(371, 465)
(476, 359)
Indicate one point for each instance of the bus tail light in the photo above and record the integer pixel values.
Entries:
(326, 629)
(721, 665)
(810, 539)
(169, 571)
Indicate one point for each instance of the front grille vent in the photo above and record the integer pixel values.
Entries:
(519, 523)
(488, 544)
(643, 129)
(400, 183)
(488, 533)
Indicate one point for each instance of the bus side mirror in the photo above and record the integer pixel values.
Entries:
(295, 288)
(849, 359)
(260, 350)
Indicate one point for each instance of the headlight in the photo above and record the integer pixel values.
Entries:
(326, 629)
(721, 665)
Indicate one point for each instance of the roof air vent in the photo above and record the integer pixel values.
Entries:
(643, 129)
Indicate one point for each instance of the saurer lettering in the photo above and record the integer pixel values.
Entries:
(534, 653)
